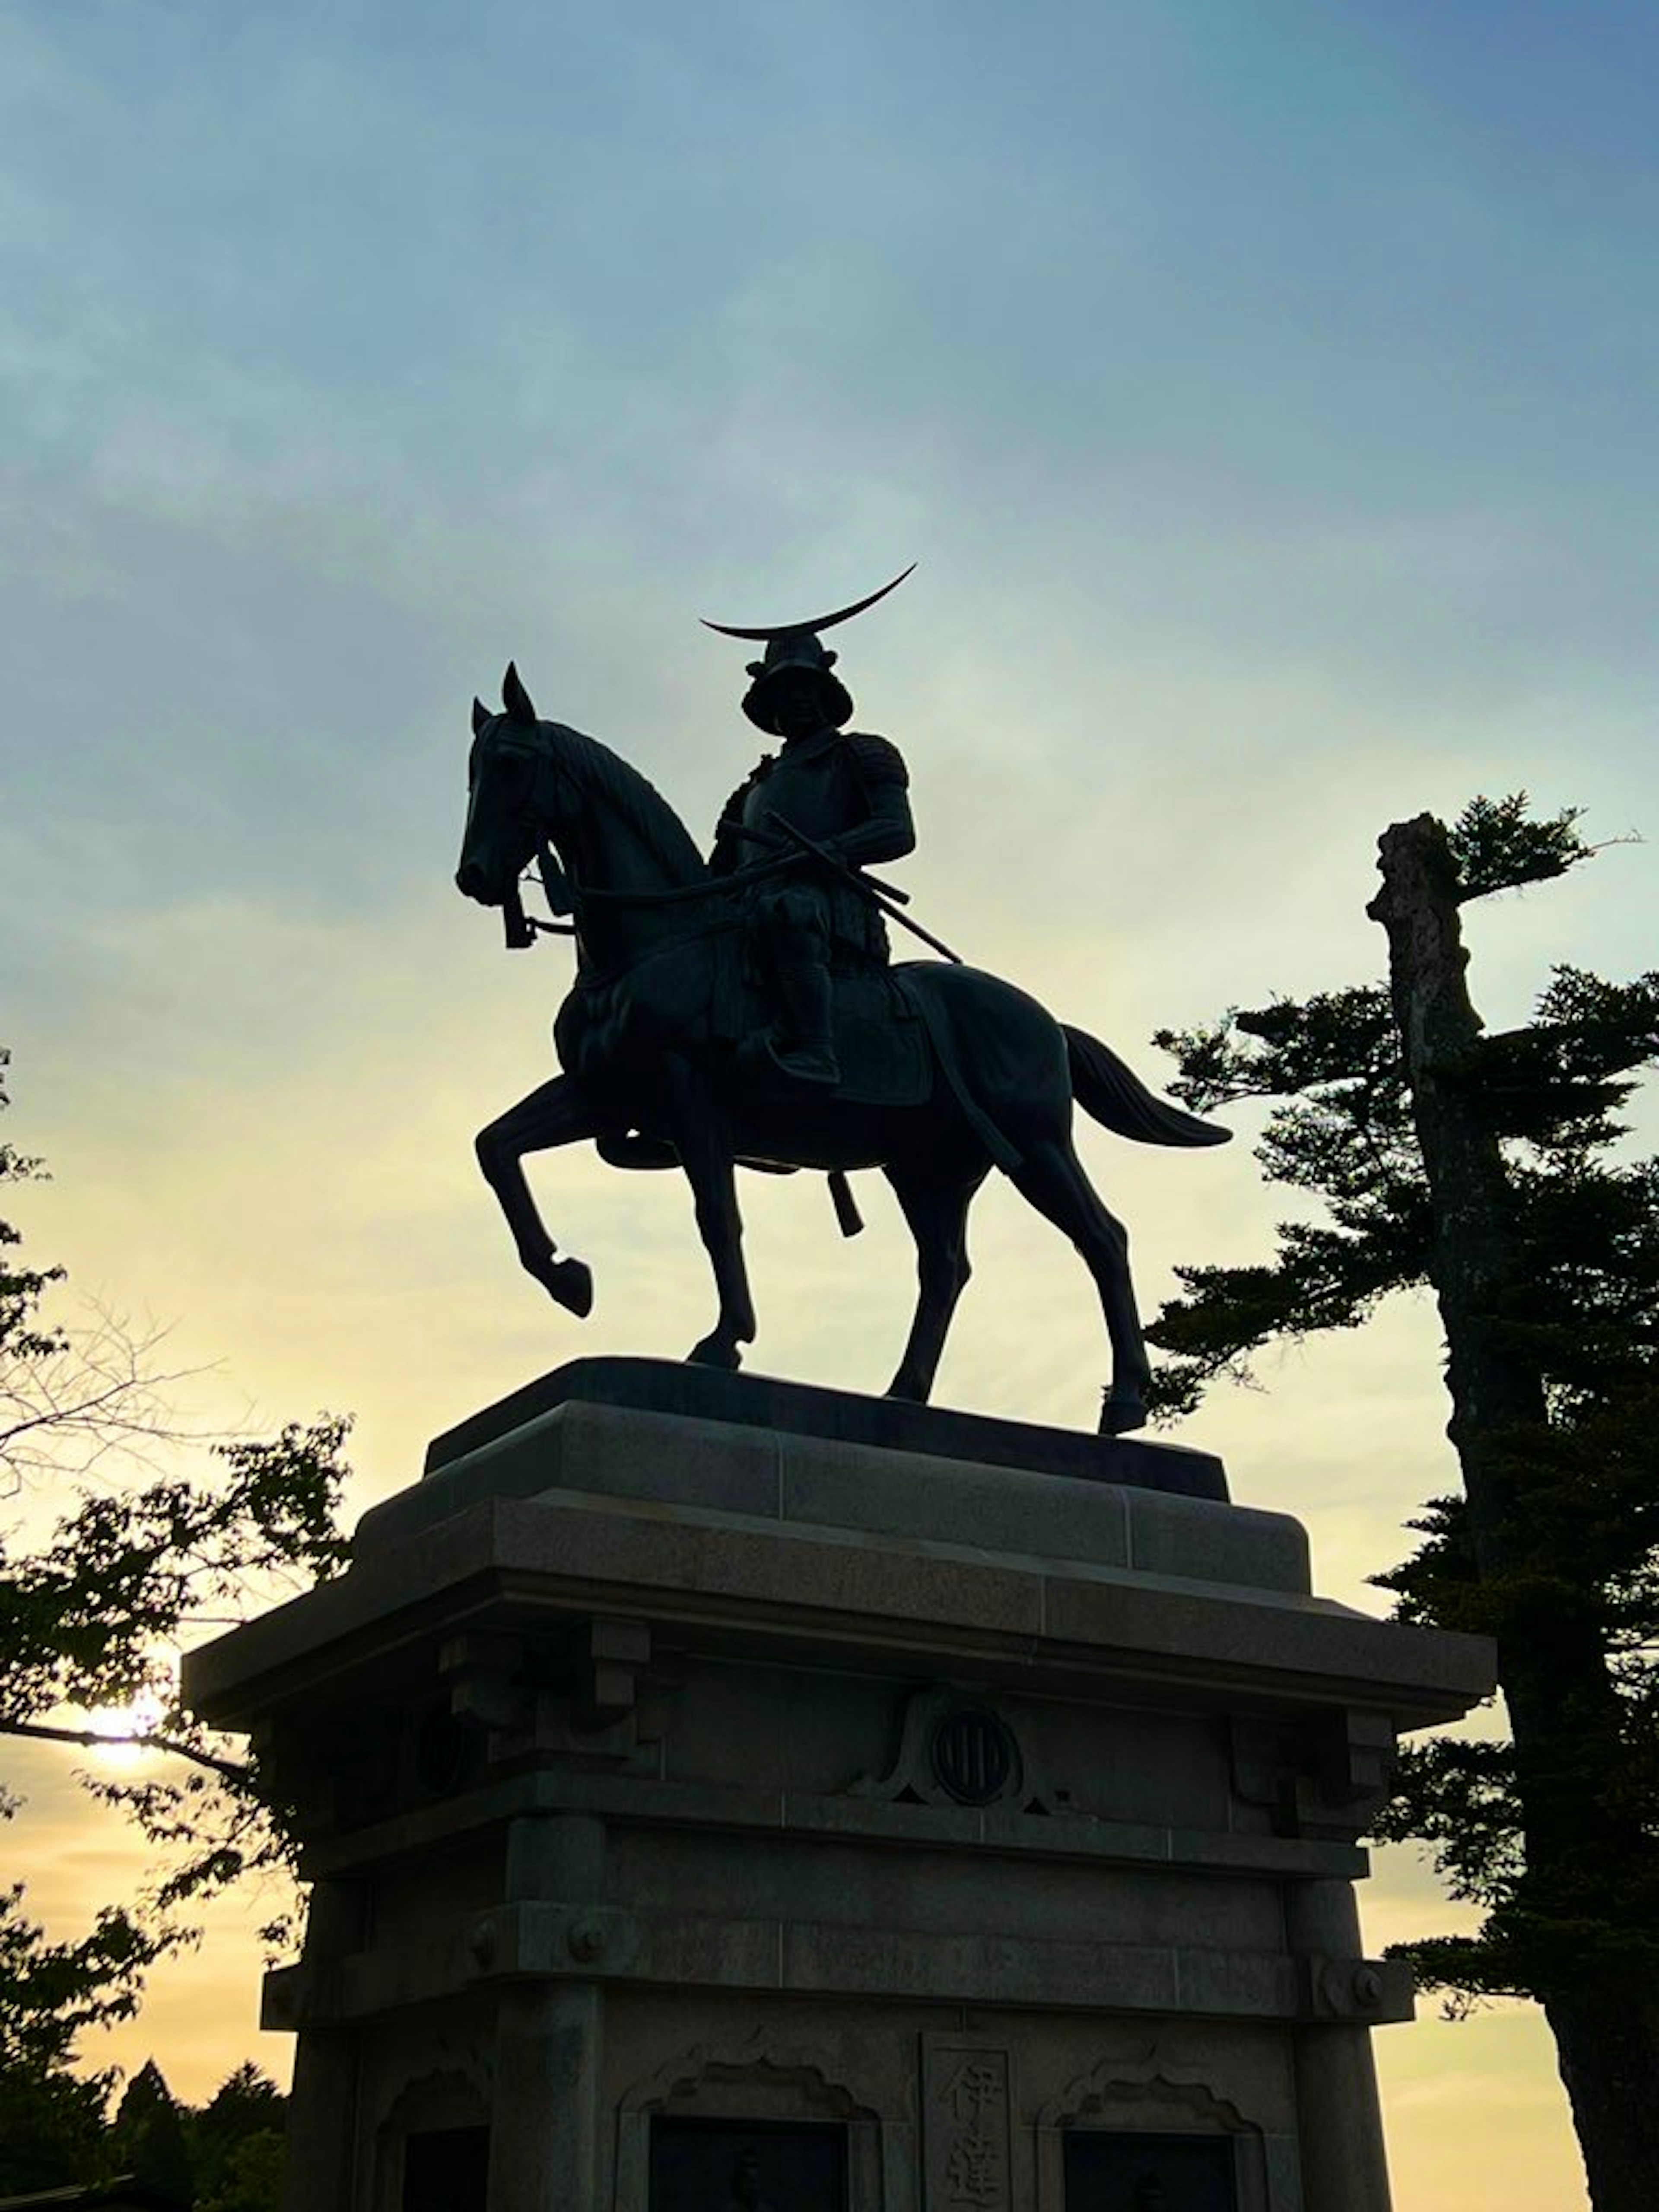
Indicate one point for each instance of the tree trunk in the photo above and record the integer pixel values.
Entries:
(1564, 1708)
(1608, 2055)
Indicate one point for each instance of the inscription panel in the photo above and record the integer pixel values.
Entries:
(967, 2091)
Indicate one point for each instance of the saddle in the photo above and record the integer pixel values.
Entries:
(882, 1043)
(880, 1040)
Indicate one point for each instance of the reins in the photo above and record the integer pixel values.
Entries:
(523, 929)
(601, 979)
(682, 893)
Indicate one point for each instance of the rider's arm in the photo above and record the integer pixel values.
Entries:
(887, 832)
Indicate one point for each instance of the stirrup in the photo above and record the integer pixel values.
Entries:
(802, 1063)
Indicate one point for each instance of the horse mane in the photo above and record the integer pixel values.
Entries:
(617, 783)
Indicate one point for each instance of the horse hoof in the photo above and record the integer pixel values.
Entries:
(715, 1352)
(571, 1282)
(1121, 1412)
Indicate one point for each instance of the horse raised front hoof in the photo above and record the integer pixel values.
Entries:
(1121, 1411)
(571, 1282)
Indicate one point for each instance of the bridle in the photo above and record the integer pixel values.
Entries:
(522, 929)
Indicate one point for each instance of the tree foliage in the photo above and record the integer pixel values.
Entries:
(52, 2124)
(251, 2178)
(224, 2156)
(140, 1558)
(1492, 1169)
(147, 2139)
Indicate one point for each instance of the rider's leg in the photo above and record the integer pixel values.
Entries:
(797, 942)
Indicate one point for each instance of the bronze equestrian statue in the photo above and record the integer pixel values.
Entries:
(932, 1071)
(847, 792)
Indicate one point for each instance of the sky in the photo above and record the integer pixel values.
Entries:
(1266, 394)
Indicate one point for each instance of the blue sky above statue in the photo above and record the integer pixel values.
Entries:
(1265, 394)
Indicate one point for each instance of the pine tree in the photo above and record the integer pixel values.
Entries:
(147, 2141)
(1488, 1167)
(247, 2108)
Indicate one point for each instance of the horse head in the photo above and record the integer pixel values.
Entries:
(533, 784)
(507, 807)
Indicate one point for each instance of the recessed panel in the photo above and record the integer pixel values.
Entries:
(731, 2166)
(1113, 2173)
(446, 2170)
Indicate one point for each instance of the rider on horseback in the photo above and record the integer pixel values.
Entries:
(644, 1037)
(845, 791)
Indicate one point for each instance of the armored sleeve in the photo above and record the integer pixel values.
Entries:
(887, 832)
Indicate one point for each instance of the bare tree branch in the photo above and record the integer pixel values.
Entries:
(228, 1770)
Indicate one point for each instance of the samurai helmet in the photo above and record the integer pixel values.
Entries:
(797, 646)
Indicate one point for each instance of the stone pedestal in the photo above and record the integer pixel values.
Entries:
(721, 1795)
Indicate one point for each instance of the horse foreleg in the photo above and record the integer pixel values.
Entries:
(1051, 1177)
(938, 1214)
(556, 1113)
(703, 1139)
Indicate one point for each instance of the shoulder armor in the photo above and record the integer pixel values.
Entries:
(878, 761)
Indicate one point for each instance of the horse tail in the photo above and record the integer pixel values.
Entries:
(1114, 1095)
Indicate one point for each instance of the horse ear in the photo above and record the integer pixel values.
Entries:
(515, 698)
(480, 716)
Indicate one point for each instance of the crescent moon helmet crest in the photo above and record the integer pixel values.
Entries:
(818, 622)
(796, 646)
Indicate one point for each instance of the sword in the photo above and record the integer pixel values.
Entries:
(884, 896)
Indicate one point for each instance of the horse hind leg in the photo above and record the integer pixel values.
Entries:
(1052, 1179)
(937, 1211)
(556, 1113)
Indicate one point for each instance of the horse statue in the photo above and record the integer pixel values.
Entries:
(654, 1073)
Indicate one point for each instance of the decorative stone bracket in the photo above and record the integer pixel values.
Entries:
(583, 1697)
(1324, 1777)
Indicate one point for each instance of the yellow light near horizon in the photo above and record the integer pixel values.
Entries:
(120, 1728)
